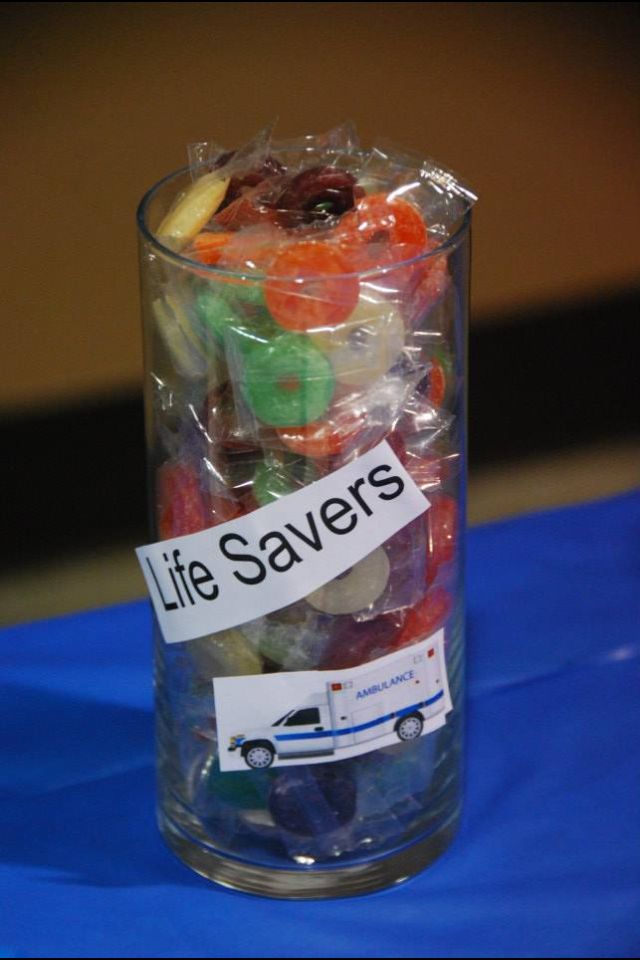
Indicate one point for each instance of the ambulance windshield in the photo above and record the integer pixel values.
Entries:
(278, 722)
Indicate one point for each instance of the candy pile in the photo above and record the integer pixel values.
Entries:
(306, 304)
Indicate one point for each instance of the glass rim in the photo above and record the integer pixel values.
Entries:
(213, 270)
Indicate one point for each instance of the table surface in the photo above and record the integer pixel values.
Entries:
(547, 862)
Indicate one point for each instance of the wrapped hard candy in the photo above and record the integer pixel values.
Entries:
(367, 345)
(355, 642)
(355, 589)
(313, 800)
(224, 654)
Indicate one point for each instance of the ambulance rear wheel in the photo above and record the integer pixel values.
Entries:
(410, 727)
(258, 755)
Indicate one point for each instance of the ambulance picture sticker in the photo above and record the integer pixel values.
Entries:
(331, 714)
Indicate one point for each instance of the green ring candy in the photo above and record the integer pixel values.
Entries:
(288, 382)
(246, 294)
(275, 477)
(239, 789)
(229, 325)
(214, 314)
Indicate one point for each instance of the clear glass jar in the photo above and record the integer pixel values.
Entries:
(345, 826)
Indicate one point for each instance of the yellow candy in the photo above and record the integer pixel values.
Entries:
(224, 654)
(178, 339)
(192, 356)
(193, 210)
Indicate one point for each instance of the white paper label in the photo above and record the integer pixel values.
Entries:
(317, 716)
(243, 569)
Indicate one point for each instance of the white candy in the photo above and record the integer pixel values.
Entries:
(364, 347)
(357, 589)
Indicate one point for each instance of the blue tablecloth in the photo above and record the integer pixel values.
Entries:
(548, 859)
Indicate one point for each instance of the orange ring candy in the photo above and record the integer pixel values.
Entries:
(382, 230)
(324, 438)
(307, 287)
(207, 247)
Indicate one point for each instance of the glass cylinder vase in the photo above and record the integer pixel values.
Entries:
(309, 724)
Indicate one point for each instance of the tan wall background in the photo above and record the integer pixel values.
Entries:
(534, 103)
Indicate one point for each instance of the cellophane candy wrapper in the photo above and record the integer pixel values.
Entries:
(305, 300)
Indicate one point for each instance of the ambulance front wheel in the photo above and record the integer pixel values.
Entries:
(259, 754)
(410, 727)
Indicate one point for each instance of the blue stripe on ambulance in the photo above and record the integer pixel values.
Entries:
(362, 726)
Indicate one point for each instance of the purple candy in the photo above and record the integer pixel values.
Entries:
(313, 800)
(356, 642)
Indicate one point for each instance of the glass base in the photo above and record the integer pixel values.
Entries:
(312, 884)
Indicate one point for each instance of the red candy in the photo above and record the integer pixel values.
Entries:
(397, 444)
(433, 284)
(356, 642)
(422, 620)
(244, 211)
(240, 184)
(426, 472)
(222, 509)
(221, 416)
(437, 383)
(441, 522)
(316, 194)
(181, 507)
